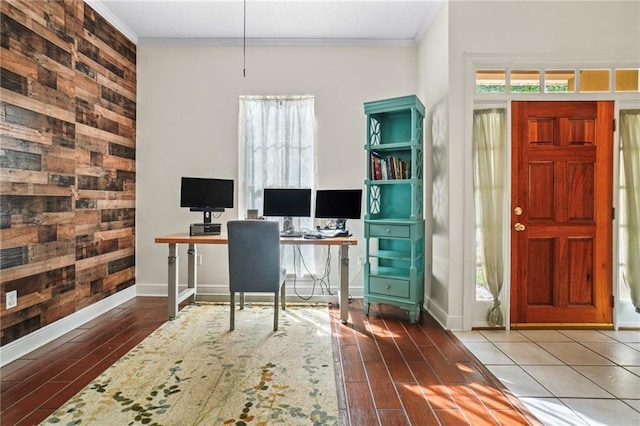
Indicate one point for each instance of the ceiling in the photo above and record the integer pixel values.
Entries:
(294, 21)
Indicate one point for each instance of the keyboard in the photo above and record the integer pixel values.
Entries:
(313, 236)
(331, 233)
(291, 234)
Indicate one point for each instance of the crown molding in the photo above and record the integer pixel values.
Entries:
(276, 42)
(99, 7)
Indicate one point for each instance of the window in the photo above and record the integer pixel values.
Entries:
(594, 80)
(489, 163)
(629, 215)
(491, 81)
(559, 81)
(276, 136)
(525, 81)
(627, 80)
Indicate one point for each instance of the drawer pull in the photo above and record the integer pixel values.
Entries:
(388, 231)
(388, 287)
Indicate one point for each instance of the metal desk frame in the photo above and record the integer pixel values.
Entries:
(175, 296)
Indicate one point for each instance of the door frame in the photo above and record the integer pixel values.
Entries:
(473, 312)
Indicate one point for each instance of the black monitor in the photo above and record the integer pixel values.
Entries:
(287, 203)
(339, 204)
(206, 195)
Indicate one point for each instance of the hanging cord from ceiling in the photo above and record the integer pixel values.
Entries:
(244, 40)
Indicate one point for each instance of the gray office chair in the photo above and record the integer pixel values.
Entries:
(254, 263)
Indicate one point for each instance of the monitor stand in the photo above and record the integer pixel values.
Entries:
(341, 226)
(206, 227)
(288, 230)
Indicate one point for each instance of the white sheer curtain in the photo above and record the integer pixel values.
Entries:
(630, 203)
(276, 147)
(489, 142)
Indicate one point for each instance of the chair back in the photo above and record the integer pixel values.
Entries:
(254, 256)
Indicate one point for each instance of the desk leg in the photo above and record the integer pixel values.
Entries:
(173, 281)
(192, 278)
(344, 283)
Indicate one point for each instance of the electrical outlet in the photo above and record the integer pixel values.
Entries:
(199, 259)
(12, 299)
(359, 260)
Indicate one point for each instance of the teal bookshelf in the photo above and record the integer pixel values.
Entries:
(394, 219)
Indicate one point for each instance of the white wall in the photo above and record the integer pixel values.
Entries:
(188, 116)
(433, 87)
(589, 32)
(187, 126)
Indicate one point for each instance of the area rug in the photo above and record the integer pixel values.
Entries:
(194, 371)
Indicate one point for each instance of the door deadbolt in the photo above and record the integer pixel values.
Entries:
(517, 211)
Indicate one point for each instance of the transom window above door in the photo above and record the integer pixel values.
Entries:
(584, 80)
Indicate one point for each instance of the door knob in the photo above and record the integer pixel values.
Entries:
(519, 227)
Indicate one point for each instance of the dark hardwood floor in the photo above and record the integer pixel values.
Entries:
(389, 372)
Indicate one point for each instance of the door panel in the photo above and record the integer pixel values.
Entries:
(580, 270)
(561, 243)
(580, 183)
(540, 263)
(541, 206)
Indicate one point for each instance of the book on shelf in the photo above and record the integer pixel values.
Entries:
(376, 170)
(389, 168)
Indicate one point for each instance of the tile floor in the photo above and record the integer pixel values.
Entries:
(566, 377)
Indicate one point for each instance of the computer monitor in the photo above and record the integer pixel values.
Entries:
(287, 203)
(339, 204)
(206, 195)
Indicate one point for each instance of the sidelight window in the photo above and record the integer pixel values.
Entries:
(489, 163)
(629, 217)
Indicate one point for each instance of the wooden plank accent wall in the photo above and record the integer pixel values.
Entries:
(67, 161)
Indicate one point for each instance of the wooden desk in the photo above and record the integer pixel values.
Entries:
(175, 297)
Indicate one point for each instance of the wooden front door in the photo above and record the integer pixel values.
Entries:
(561, 213)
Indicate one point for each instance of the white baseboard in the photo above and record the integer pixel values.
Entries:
(42, 336)
(436, 312)
(302, 290)
(266, 298)
(448, 322)
(154, 290)
(454, 323)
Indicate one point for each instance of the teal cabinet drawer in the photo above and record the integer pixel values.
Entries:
(389, 286)
(391, 231)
